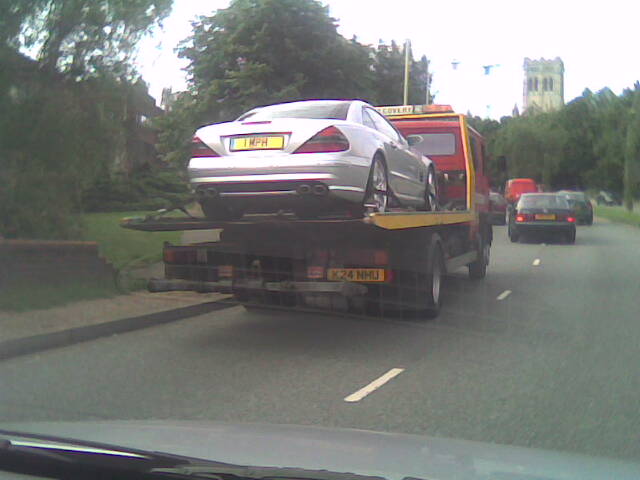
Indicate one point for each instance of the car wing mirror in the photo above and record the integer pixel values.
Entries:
(414, 140)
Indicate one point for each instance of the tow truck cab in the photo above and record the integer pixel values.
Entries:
(448, 141)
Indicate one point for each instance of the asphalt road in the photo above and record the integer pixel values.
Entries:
(553, 364)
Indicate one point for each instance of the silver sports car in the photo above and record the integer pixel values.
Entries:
(311, 157)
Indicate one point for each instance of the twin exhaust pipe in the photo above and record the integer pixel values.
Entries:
(318, 190)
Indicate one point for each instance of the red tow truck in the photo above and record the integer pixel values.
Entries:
(384, 263)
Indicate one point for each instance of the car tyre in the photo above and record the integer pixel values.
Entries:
(376, 196)
(431, 192)
(571, 237)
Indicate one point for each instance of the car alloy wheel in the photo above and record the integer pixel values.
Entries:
(431, 192)
(377, 197)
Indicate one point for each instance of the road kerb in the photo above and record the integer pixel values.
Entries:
(47, 341)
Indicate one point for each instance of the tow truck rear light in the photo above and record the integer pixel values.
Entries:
(200, 149)
(315, 272)
(225, 271)
(179, 256)
(328, 140)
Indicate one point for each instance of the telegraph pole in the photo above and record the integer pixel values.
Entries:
(407, 58)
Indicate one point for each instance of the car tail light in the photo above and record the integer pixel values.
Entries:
(328, 140)
(200, 149)
(521, 218)
(571, 219)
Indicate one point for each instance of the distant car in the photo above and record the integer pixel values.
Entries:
(309, 157)
(581, 205)
(497, 209)
(608, 198)
(517, 186)
(542, 213)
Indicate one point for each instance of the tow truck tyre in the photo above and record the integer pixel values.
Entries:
(434, 279)
(478, 269)
(376, 196)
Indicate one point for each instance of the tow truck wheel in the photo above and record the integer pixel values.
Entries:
(478, 269)
(434, 279)
(376, 197)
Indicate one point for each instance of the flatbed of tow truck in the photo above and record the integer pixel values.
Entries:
(382, 263)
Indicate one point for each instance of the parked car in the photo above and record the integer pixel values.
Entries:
(581, 205)
(542, 213)
(497, 209)
(310, 157)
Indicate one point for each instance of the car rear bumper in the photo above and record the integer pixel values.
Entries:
(544, 227)
(270, 177)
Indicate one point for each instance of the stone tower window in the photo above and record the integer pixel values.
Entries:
(544, 84)
(551, 84)
(535, 84)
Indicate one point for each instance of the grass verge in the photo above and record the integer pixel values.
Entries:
(121, 246)
(618, 214)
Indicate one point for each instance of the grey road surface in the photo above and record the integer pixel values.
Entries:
(555, 363)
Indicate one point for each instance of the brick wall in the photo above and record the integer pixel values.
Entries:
(39, 262)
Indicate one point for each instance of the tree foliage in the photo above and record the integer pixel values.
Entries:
(259, 52)
(592, 142)
(80, 37)
(62, 113)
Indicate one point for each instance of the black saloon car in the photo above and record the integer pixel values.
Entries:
(543, 213)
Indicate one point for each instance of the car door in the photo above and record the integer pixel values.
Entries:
(406, 170)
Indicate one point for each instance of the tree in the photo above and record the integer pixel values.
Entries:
(632, 152)
(388, 68)
(257, 52)
(62, 113)
(81, 37)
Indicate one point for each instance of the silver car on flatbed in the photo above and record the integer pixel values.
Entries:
(310, 157)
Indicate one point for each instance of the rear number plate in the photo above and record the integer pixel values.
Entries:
(543, 216)
(356, 275)
(263, 142)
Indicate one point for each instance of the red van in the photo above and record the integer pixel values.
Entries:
(517, 186)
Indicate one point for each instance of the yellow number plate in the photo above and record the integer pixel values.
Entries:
(543, 216)
(356, 274)
(257, 143)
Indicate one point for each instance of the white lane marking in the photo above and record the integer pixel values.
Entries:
(376, 384)
(504, 295)
(536, 262)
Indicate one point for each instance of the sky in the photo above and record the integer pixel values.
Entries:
(596, 41)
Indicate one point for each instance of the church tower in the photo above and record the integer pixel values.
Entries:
(543, 85)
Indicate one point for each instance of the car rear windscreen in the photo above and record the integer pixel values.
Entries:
(543, 201)
(437, 144)
(311, 110)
